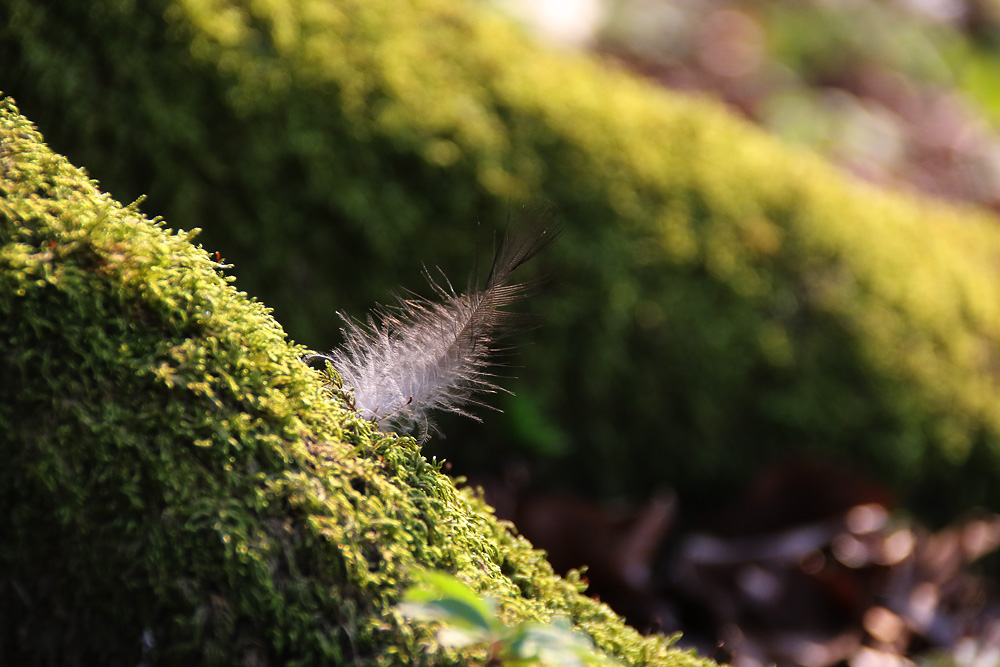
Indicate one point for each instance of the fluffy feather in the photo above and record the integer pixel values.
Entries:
(421, 355)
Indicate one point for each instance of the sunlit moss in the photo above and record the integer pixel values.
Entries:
(180, 488)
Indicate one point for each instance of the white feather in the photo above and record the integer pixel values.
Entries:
(421, 355)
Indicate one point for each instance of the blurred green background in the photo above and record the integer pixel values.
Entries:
(721, 298)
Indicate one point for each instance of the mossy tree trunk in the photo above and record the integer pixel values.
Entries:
(179, 488)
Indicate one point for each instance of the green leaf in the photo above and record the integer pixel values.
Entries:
(555, 644)
(441, 597)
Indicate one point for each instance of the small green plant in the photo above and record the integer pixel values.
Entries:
(467, 618)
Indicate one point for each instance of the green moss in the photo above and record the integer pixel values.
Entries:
(174, 475)
(722, 299)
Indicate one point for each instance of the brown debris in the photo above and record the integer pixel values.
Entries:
(811, 567)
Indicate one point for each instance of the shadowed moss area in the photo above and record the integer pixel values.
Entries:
(722, 299)
(178, 488)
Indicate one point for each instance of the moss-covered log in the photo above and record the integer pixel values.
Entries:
(176, 486)
(723, 299)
